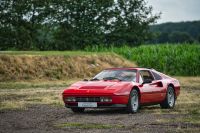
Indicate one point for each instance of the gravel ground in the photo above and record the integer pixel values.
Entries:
(44, 118)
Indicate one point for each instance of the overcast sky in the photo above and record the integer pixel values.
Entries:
(176, 10)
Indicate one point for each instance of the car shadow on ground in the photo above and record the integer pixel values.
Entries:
(110, 111)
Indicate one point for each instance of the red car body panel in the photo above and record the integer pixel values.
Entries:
(119, 91)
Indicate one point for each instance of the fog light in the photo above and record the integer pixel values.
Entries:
(106, 99)
(70, 99)
(102, 100)
(110, 100)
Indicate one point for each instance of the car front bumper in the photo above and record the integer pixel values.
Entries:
(99, 105)
(117, 102)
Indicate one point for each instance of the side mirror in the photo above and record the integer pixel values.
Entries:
(147, 81)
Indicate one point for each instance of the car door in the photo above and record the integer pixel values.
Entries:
(152, 89)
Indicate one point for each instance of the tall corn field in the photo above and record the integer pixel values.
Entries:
(173, 59)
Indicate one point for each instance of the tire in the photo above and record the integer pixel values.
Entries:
(78, 110)
(133, 103)
(169, 101)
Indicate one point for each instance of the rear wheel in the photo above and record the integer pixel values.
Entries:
(133, 104)
(169, 101)
(78, 110)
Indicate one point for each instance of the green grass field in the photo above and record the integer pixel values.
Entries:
(173, 59)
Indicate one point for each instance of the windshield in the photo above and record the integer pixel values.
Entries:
(122, 75)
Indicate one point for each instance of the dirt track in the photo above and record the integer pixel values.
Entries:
(44, 118)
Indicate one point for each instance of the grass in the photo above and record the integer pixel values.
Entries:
(18, 95)
(20, 99)
(88, 126)
(193, 118)
(45, 84)
(25, 67)
(173, 59)
(52, 53)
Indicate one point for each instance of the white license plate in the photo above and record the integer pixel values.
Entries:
(87, 104)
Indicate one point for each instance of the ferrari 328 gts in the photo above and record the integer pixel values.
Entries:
(127, 88)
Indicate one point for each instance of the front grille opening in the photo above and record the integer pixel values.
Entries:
(87, 99)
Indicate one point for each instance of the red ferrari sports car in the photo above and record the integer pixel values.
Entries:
(127, 88)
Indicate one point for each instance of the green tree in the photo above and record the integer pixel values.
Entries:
(131, 23)
(163, 37)
(73, 24)
(22, 19)
(84, 22)
(191, 28)
(198, 38)
(180, 37)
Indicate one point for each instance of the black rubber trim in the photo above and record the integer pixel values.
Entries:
(102, 106)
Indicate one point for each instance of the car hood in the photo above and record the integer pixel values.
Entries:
(100, 84)
(97, 87)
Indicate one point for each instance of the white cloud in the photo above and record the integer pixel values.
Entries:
(176, 10)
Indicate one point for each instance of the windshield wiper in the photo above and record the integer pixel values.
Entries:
(111, 78)
(94, 79)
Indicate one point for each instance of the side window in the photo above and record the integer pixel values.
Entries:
(146, 75)
(156, 76)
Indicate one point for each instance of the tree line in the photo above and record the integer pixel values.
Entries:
(73, 24)
(181, 32)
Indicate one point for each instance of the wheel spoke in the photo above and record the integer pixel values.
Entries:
(134, 102)
(170, 97)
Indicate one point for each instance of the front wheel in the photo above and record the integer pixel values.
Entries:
(133, 104)
(78, 110)
(169, 101)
